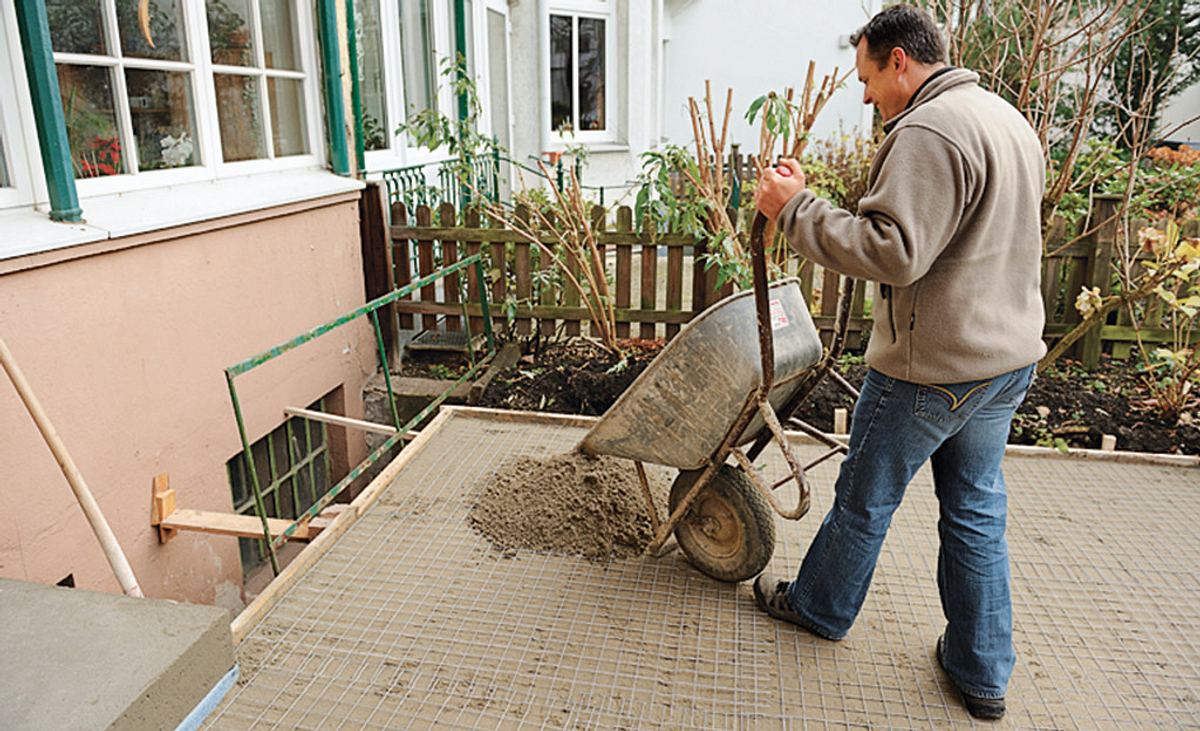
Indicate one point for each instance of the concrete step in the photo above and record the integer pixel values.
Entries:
(87, 660)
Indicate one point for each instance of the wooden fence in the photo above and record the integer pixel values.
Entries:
(660, 282)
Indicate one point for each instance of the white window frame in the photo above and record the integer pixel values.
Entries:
(16, 117)
(484, 80)
(204, 102)
(601, 10)
(399, 153)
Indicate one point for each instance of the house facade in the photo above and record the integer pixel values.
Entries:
(180, 188)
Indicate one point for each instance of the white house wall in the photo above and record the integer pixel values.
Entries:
(753, 47)
(1182, 108)
(635, 79)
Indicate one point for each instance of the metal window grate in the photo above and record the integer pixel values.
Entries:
(295, 459)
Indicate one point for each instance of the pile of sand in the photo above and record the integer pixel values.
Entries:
(569, 504)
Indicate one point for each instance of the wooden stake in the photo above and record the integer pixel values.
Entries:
(840, 418)
(91, 509)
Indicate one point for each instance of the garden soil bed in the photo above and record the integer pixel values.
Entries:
(1068, 406)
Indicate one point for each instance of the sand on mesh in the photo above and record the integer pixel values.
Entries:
(569, 504)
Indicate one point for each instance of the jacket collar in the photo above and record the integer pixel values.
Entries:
(941, 81)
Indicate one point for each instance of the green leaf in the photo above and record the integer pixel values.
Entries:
(754, 107)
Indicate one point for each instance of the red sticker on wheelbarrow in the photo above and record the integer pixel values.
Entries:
(778, 316)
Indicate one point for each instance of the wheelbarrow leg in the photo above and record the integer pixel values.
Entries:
(768, 414)
(650, 506)
(714, 463)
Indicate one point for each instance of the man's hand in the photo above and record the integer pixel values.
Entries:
(776, 188)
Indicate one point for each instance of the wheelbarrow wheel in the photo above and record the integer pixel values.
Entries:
(729, 530)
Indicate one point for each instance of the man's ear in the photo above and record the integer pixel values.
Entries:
(899, 59)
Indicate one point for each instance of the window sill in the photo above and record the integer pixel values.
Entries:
(25, 232)
(593, 147)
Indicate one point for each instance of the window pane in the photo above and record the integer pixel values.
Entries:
(562, 109)
(229, 32)
(238, 111)
(498, 75)
(161, 36)
(371, 76)
(5, 181)
(87, 99)
(287, 116)
(416, 46)
(76, 26)
(164, 123)
(591, 74)
(279, 39)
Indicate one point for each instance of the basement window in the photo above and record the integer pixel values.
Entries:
(293, 466)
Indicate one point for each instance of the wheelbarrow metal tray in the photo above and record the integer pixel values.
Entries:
(683, 405)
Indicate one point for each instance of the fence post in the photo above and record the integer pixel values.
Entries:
(378, 272)
(1098, 270)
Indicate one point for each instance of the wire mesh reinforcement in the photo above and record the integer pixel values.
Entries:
(414, 621)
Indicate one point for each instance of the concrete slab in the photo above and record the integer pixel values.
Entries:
(412, 620)
(74, 659)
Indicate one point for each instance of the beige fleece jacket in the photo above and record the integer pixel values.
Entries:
(949, 230)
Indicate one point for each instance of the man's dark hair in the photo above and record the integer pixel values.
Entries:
(902, 26)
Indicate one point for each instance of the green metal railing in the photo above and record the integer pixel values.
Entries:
(369, 309)
(429, 184)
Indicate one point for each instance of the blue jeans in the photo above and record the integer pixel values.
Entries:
(897, 426)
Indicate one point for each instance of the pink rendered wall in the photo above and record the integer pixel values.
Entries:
(127, 350)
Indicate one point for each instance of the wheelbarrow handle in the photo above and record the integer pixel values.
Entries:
(758, 263)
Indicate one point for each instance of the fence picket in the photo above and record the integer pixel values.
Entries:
(471, 220)
(624, 277)
(674, 286)
(649, 287)
(450, 256)
(546, 297)
(401, 260)
(601, 275)
(523, 273)
(425, 267)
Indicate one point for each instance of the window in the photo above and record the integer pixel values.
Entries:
(174, 90)
(259, 78)
(401, 44)
(420, 61)
(372, 77)
(293, 466)
(127, 85)
(580, 75)
(16, 182)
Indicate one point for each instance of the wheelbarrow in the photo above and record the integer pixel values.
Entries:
(711, 391)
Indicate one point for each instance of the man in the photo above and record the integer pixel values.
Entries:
(949, 230)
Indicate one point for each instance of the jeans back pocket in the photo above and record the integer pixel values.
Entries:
(951, 402)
